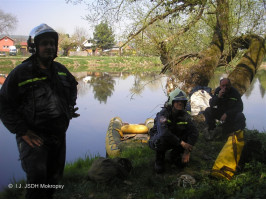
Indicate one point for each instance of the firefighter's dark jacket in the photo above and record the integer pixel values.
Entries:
(29, 96)
(231, 103)
(180, 125)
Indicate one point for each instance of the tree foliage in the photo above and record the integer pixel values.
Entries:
(66, 43)
(103, 36)
(192, 37)
(8, 22)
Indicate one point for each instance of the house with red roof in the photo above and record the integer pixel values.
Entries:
(5, 43)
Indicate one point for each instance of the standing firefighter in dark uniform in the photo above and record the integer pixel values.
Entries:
(173, 129)
(36, 103)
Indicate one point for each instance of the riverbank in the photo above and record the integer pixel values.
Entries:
(131, 64)
(94, 63)
(143, 183)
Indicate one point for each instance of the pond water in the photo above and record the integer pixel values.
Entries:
(133, 98)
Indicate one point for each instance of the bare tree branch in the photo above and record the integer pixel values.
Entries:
(7, 22)
(158, 17)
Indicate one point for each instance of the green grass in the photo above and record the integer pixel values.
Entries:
(94, 63)
(111, 63)
(143, 183)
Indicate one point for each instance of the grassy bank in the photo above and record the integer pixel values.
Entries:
(143, 183)
(94, 63)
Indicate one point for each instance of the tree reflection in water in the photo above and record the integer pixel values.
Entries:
(102, 87)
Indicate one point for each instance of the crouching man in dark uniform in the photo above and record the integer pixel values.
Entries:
(36, 103)
(226, 106)
(173, 129)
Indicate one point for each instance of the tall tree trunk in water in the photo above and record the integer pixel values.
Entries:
(245, 70)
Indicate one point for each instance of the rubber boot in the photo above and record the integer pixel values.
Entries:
(159, 162)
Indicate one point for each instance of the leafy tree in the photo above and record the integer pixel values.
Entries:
(193, 37)
(8, 22)
(66, 43)
(103, 36)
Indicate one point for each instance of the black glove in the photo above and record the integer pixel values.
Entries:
(73, 113)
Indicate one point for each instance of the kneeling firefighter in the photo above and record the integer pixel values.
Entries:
(173, 130)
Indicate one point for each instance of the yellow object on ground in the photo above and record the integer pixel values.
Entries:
(119, 136)
(134, 129)
(112, 138)
(228, 158)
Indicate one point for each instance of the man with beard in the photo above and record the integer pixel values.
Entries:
(173, 130)
(36, 103)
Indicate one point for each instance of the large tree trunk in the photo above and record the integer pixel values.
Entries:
(245, 70)
(201, 73)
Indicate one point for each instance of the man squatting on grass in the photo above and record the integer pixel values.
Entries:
(173, 129)
(36, 103)
(226, 106)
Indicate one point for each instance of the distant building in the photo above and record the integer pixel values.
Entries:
(5, 43)
(90, 48)
(114, 51)
(23, 48)
(117, 50)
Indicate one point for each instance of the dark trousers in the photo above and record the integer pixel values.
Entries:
(43, 165)
(163, 143)
(233, 123)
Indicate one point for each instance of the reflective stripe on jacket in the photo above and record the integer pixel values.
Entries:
(29, 97)
(180, 125)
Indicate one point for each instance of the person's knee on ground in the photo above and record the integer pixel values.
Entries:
(240, 121)
(234, 124)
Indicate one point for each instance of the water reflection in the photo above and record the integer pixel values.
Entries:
(102, 87)
(103, 84)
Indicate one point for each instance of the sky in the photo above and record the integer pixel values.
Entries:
(55, 13)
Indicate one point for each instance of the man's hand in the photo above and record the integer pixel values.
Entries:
(185, 157)
(223, 118)
(221, 93)
(32, 139)
(186, 146)
(73, 112)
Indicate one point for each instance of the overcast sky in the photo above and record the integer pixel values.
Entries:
(55, 13)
